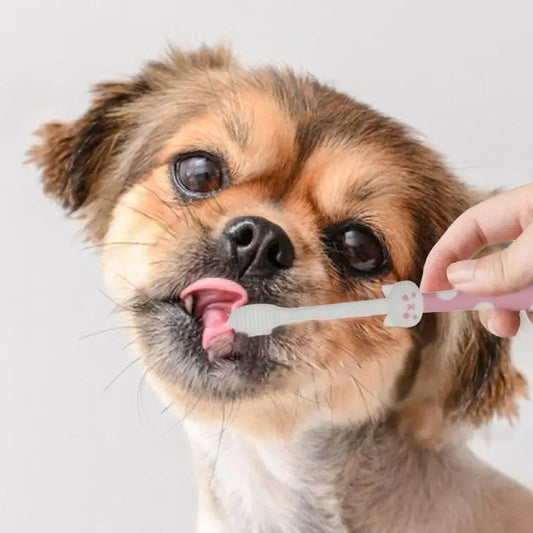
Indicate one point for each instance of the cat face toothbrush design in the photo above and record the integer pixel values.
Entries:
(403, 307)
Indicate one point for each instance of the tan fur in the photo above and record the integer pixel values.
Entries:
(352, 393)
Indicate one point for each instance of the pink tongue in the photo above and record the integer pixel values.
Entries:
(216, 298)
(215, 320)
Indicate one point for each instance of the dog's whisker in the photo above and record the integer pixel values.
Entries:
(122, 372)
(336, 346)
(296, 411)
(167, 407)
(101, 245)
(195, 218)
(219, 445)
(315, 392)
(137, 289)
(128, 344)
(180, 421)
(359, 366)
(134, 339)
(162, 200)
(140, 388)
(161, 262)
(217, 208)
(359, 387)
(103, 331)
(152, 218)
(301, 397)
(118, 305)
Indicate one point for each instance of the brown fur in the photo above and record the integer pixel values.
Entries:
(303, 156)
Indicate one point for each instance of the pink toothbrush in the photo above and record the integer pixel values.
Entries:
(403, 306)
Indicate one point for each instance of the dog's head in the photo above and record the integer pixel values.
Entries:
(206, 183)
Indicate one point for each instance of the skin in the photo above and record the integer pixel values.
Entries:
(502, 218)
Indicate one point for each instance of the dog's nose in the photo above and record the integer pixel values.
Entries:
(259, 247)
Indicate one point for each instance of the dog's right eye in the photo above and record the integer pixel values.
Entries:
(198, 174)
(357, 249)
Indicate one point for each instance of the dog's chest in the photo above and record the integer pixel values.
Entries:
(252, 486)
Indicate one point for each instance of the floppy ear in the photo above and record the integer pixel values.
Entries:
(462, 375)
(74, 156)
(483, 382)
(458, 374)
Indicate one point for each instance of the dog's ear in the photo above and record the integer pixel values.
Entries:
(462, 375)
(73, 156)
(458, 373)
(483, 382)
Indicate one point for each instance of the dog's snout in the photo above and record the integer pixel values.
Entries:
(257, 246)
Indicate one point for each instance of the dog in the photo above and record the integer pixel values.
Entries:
(205, 185)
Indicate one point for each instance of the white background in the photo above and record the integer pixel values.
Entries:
(74, 458)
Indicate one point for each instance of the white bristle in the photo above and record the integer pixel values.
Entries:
(256, 319)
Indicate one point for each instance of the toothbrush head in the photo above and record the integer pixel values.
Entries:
(256, 319)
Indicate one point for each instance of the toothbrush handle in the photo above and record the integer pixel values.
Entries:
(407, 303)
(342, 310)
(435, 302)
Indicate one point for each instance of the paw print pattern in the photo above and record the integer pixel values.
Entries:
(406, 304)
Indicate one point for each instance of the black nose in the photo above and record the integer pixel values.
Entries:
(257, 246)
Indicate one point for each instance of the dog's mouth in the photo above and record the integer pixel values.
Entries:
(211, 301)
(188, 340)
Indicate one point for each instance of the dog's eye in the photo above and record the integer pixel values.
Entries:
(357, 248)
(197, 174)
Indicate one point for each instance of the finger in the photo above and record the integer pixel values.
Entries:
(498, 219)
(508, 270)
(500, 322)
(434, 276)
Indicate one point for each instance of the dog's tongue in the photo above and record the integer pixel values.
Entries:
(214, 300)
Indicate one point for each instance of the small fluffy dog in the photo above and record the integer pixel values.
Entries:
(205, 183)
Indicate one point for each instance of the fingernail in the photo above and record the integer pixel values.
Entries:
(461, 272)
(492, 326)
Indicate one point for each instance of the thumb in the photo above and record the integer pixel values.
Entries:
(508, 270)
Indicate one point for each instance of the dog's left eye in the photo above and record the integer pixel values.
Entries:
(357, 249)
(197, 174)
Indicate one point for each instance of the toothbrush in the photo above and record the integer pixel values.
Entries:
(403, 307)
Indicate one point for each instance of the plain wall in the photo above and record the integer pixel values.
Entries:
(76, 457)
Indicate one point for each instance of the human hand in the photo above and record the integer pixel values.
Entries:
(502, 218)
